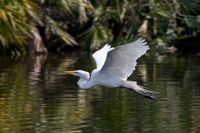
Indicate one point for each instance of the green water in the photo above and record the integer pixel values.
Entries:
(36, 97)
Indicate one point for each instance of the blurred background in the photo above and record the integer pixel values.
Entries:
(39, 26)
(40, 39)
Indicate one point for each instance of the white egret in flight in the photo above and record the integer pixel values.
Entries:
(114, 66)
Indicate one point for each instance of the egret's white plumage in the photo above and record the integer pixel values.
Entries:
(101, 55)
(114, 66)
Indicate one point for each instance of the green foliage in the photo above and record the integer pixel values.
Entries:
(55, 29)
(17, 18)
(97, 35)
(94, 23)
(174, 18)
(14, 15)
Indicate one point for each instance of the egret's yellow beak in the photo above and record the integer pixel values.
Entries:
(70, 72)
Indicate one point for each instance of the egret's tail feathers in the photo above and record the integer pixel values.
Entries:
(132, 86)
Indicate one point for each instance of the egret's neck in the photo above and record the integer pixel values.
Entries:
(84, 79)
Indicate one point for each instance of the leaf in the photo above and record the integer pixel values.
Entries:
(4, 17)
(96, 36)
(54, 27)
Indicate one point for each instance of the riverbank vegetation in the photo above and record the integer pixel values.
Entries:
(40, 26)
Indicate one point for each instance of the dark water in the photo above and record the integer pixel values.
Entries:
(36, 97)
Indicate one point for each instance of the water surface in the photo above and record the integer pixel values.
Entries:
(35, 96)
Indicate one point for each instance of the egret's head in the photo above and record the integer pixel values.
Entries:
(79, 73)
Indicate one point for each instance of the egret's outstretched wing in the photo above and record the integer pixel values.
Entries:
(121, 61)
(100, 56)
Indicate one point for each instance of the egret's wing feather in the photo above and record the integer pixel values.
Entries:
(121, 61)
(100, 56)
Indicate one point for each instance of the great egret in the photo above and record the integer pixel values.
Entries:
(114, 66)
